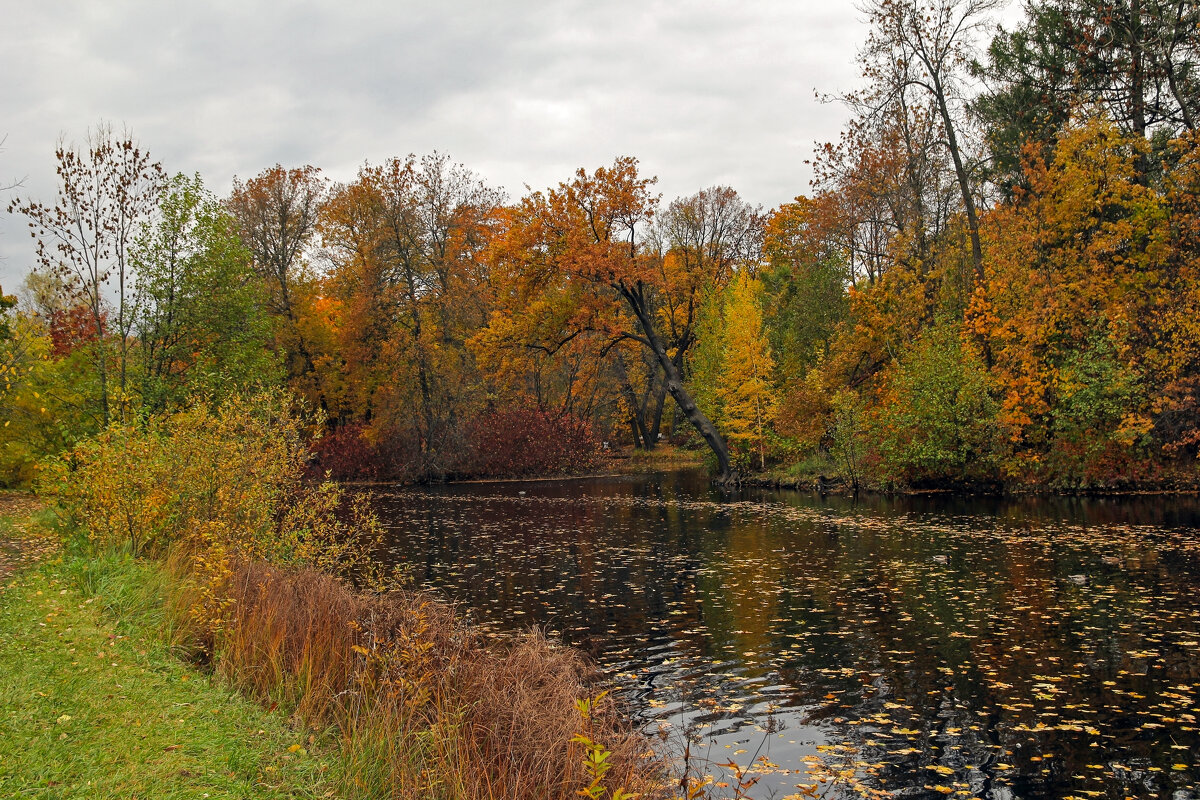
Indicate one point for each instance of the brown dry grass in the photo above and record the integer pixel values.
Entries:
(425, 706)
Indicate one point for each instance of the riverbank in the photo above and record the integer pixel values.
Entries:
(663, 458)
(109, 692)
(203, 531)
(96, 703)
(838, 484)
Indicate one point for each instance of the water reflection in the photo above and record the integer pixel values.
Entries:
(939, 646)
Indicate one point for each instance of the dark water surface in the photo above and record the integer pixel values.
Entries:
(933, 647)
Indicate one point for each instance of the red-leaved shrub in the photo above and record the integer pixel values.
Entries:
(525, 442)
(511, 443)
(345, 453)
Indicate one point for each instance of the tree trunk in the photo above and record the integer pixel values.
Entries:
(660, 397)
(633, 430)
(964, 186)
(423, 383)
(1137, 77)
(674, 383)
(960, 172)
(637, 424)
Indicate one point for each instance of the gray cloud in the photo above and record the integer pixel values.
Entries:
(703, 92)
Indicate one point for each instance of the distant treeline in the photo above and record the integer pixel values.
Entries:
(994, 278)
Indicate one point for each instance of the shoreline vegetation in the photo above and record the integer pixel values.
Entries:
(838, 485)
(669, 457)
(267, 582)
(993, 286)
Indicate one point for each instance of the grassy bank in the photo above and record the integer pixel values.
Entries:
(199, 531)
(357, 695)
(96, 702)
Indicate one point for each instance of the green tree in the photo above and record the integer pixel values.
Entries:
(1096, 419)
(200, 320)
(804, 285)
(1136, 61)
(7, 304)
(938, 419)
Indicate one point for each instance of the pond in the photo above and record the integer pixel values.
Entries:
(928, 646)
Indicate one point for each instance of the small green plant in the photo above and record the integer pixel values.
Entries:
(595, 755)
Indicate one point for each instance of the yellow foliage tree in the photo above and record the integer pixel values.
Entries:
(745, 387)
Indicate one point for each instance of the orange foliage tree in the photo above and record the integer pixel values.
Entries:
(1069, 307)
(581, 244)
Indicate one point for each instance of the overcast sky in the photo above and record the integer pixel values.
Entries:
(703, 92)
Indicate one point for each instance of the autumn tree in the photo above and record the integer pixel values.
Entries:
(108, 189)
(405, 240)
(1069, 303)
(738, 371)
(585, 239)
(546, 347)
(276, 214)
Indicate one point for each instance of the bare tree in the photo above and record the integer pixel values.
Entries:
(15, 183)
(926, 44)
(107, 191)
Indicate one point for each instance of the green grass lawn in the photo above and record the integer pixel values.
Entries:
(90, 708)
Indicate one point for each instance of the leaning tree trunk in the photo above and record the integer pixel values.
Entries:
(675, 387)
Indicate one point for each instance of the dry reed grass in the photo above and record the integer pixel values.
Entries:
(426, 707)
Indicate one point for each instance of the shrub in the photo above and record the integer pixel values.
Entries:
(220, 486)
(355, 452)
(523, 442)
(260, 559)
(426, 706)
(939, 422)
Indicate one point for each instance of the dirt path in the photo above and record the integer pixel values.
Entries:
(20, 544)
